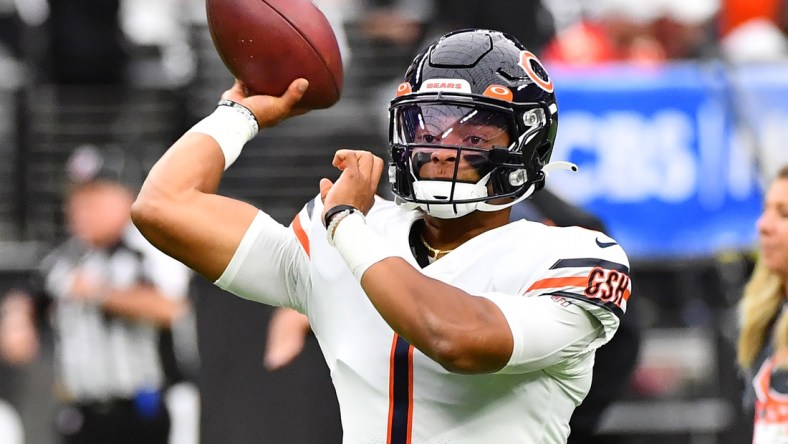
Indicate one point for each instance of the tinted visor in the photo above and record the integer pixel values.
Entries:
(461, 164)
(452, 141)
(454, 125)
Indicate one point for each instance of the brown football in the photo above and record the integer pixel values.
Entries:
(269, 43)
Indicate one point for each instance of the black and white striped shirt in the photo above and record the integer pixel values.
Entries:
(101, 356)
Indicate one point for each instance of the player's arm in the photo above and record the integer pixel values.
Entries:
(144, 303)
(464, 333)
(287, 332)
(18, 334)
(177, 209)
(477, 334)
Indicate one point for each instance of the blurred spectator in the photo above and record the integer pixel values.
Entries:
(158, 37)
(646, 32)
(585, 42)
(763, 338)
(754, 30)
(115, 42)
(735, 13)
(108, 294)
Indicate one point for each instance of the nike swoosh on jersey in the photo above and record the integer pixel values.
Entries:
(604, 244)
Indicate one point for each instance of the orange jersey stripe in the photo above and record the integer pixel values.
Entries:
(410, 394)
(301, 234)
(559, 282)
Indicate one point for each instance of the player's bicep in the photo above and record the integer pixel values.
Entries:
(545, 331)
(178, 212)
(270, 266)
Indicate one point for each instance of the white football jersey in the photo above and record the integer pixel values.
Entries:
(389, 392)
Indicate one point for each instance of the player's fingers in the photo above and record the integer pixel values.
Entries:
(370, 166)
(339, 160)
(377, 171)
(270, 110)
(352, 159)
(344, 159)
(235, 93)
(325, 186)
(365, 163)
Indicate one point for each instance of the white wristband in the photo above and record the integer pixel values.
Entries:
(359, 245)
(231, 127)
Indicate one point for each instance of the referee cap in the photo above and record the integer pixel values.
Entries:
(90, 163)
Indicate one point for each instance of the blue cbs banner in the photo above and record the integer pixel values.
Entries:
(671, 158)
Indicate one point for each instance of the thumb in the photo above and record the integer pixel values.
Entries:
(295, 92)
(325, 185)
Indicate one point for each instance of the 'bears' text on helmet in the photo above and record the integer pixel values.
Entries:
(474, 120)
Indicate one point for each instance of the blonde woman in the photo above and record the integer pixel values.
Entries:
(763, 342)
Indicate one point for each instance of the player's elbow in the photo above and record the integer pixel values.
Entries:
(145, 211)
(479, 345)
(440, 342)
(459, 356)
(450, 357)
(151, 210)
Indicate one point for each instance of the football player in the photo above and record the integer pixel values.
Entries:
(439, 320)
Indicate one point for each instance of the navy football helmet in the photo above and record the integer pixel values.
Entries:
(474, 121)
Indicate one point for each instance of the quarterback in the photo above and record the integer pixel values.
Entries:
(440, 321)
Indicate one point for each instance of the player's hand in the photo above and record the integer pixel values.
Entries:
(358, 182)
(287, 332)
(270, 110)
(86, 286)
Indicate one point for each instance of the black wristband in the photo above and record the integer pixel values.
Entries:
(333, 211)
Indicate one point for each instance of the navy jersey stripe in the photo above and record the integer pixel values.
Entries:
(310, 207)
(590, 262)
(400, 407)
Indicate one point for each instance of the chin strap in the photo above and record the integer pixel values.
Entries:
(485, 206)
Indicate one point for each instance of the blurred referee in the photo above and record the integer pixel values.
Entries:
(107, 295)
